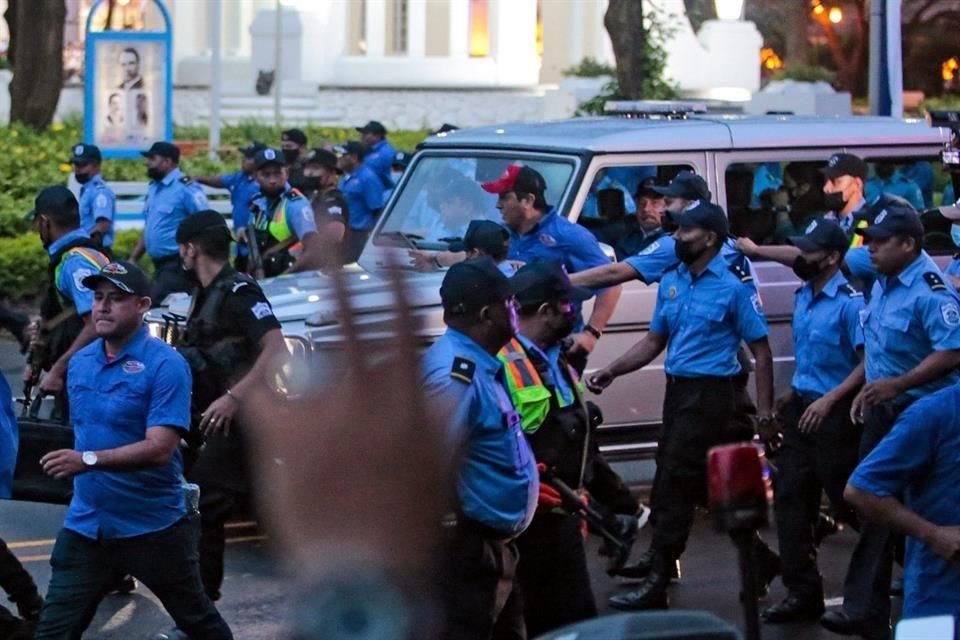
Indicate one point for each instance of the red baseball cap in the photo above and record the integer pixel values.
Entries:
(504, 183)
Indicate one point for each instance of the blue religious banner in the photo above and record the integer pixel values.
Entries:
(128, 85)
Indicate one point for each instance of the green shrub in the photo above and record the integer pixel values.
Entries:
(590, 68)
(805, 73)
(23, 267)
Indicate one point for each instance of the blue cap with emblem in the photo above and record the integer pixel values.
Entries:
(473, 284)
(164, 150)
(268, 156)
(896, 218)
(125, 276)
(686, 185)
(705, 215)
(821, 234)
(85, 154)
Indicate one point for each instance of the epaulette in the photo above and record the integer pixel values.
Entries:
(463, 369)
(934, 281)
(739, 269)
(294, 194)
(672, 267)
(186, 180)
(848, 288)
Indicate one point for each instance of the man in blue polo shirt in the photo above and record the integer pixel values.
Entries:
(171, 197)
(130, 397)
(98, 204)
(243, 187)
(379, 154)
(364, 193)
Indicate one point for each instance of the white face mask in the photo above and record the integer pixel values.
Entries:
(955, 234)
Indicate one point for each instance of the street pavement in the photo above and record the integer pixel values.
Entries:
(256, 590)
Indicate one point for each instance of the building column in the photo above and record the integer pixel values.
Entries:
(577, 30)
(375, 27)
(459, 28)
(513, 41)
(416, 28)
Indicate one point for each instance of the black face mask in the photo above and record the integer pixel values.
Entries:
(311, 183)
(82, 178)
(806, 270)
(155, 174)
(686, 253)
(290, 155)
(834, 201)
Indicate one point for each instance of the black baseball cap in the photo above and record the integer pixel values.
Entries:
(705, 215)
(201, 223)
(823, 233)
(648, 189)
(268, 156)
(54, 201)
(323, 157)
(546, 281)
(125, 276)
(896, 218)
(295, 135)
(351, 147)
(473, 284)
(164, 150)
(251, 150)
(485, 235)
(84, 153)
(373, 127)
(686, 185)
(845, 164)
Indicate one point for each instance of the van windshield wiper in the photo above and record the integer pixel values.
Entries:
(410, 239)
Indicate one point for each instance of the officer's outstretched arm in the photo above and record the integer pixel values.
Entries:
(639, 355)
(763, 375)
(783, 253)
(934, 366)
(606, 275)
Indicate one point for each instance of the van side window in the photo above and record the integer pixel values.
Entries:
(769, 202)
(622, 210)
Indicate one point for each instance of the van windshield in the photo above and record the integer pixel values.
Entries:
(443, 194)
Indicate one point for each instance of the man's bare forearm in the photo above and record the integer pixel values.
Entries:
(639, 355)
(604, 307)
(782, 253)
(763, 375)
(155, 450)
(606, 275)
(934, 366)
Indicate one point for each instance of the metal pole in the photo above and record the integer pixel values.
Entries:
(886, 59)
(277, 51)
(216, 73)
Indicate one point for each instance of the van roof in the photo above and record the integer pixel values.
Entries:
(701, 132)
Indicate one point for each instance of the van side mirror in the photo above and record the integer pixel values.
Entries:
(608, 251)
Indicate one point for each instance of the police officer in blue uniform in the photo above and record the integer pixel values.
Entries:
(284, 222)
(363, 190)
(98, 203)
(242, 186)
(952, 213)
(888, 179)
(820, 443)
(498, 481)
(705, 308)
(129, 513)
(911, 331)
(380, 154)
(171, 197)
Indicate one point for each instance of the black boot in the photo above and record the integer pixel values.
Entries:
(652, 592)
(644, 564)
(767, 566)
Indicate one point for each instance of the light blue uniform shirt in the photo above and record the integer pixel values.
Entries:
(9, 439)
(498, 482)
(558, 377)
(918, 460)
(651, 261)
(364, 194)
(953, 269)
(705, 319)
(826, 335)
(97, 202)
(299, 214)
(242, 187)
(112, 403)
(169, 202)
(907, 318)
(73, 269)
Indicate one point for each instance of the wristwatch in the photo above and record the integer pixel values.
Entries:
(765, 421)
(596, 333)
(89, 458)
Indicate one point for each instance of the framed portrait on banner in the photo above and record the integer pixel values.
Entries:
(128, 88)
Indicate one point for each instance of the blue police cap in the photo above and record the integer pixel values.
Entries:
(896, 217)
(823, 233)
(705, 215)
(474, 284)
(85, 154)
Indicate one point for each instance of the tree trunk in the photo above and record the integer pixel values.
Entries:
(38, 71)
(797, 19)
(624, 22)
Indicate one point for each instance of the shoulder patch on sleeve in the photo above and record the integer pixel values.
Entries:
(740, 270)
(186, 180)
(261, 310)
(848, 289)
(950, 314)
(934, 281)
(653, 246)
(294, 194)
(463, 369)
